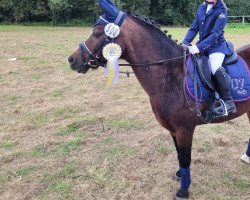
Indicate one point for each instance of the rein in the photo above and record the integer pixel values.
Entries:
(148, 64)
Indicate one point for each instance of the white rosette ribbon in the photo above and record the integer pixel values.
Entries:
(112, 52)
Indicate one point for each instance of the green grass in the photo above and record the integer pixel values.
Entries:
(100, 175)
(217, 128)
(42, 62)
(9, 97)
(107, 141)
(39, 151)
(238, 29)
(58, 93)
(12, 156)
(38, 119)
(25, 171)
(26, 58)
(65, 148)
(230, 180)
(242, 184)
(118, 152)
(164, 149)
(62, 189)
(20, 173)
(66, 112)
(67, 172)
(71, 128)
(124, 123)
(8, 144)
(36, 77)
(60, 183)
(58, 149)
(205, 146)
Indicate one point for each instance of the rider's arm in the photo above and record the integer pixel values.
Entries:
(192, 32)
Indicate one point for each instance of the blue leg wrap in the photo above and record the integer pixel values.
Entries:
(185, 178)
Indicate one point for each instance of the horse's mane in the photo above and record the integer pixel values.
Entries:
(153, 26)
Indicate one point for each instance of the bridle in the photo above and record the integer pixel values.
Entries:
(94, 57)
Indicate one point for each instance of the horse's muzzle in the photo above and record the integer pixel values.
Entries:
(77, 66)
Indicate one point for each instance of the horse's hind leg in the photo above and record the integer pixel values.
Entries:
(183, 143)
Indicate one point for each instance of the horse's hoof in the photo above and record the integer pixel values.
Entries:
(177, 176)
(182, 194)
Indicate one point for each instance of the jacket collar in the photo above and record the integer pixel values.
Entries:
(217, 5)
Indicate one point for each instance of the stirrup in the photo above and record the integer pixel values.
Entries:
(219, 109)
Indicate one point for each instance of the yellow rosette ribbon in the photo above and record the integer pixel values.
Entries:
(112, 52)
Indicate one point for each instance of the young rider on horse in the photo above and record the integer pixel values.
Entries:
(210, 20)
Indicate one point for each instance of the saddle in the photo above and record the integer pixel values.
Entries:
(204, 71)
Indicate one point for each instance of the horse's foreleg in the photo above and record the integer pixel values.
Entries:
(184, 139)
(177, 176)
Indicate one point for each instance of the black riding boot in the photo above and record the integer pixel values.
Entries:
(224, 89)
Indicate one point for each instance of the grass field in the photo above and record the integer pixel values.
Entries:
(65, 135)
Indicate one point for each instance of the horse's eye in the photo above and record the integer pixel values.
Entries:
(97, 35)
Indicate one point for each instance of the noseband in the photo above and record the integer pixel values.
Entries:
(94, 57)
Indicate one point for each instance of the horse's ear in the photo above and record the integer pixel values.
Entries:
(109, 8)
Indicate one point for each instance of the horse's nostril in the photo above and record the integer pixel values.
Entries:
(71, 60)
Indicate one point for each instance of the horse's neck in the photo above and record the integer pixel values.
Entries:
(143, 47)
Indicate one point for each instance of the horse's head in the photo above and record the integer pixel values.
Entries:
(89, 54)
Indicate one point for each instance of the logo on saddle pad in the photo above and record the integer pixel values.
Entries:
(238, 85)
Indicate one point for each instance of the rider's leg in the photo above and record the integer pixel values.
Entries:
(222, 80)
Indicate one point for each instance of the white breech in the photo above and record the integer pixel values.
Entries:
(216, 60)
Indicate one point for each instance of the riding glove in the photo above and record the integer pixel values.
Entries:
(193, 49)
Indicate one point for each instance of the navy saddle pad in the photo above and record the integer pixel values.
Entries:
(240, 82)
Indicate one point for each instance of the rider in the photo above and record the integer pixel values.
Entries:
(210, 20)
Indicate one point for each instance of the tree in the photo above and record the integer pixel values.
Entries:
(59, 9)
(168, 12)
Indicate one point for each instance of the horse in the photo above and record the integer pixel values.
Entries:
(142, 41)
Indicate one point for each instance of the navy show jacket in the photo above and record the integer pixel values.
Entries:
(211, 29)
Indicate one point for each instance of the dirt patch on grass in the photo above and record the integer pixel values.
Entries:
(64, 135)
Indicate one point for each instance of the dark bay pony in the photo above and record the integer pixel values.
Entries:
(141, 42)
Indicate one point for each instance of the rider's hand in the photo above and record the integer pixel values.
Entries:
(193, 49)
(184, 45)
